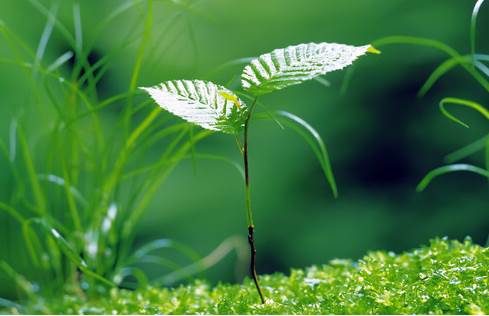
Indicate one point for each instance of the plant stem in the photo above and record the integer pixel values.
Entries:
(251, 227)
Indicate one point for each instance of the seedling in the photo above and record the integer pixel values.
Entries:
(217, 108)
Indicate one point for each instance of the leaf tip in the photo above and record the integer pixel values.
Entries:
(144, 88)
(335, 194)
(420, 187)
(373, 50)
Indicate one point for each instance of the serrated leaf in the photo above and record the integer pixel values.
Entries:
(292, 65)
(204, 103)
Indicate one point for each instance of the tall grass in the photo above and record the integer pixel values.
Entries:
(474, 63)
(77, 189)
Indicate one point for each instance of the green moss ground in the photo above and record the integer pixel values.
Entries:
(446, 277)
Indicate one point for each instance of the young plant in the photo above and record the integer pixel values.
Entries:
(217, 108)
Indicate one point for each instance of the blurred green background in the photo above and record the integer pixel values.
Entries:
(382, 139)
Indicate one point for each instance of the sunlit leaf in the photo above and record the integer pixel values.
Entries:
(294, 64)
(203, 103)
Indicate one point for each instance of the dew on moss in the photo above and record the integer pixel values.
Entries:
(446, 277)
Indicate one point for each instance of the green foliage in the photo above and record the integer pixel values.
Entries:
(474, 66)
(313, 139)
(446, 277)
(75, 194)
(449, 169)
(467, 103)
(214, 107)
(201, 102)
(284, 67)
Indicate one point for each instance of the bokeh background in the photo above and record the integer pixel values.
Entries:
(382, 139)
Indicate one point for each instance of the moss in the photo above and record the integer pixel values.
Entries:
(446, 277)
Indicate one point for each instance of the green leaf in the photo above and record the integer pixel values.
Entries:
(9, 304)
(448, 169)
(294, 64)
(201, 102)
(467, 103)
(312, 137)
(427, 42)
(70, 251)
(468, 150)
(19, 280)
(473, 25)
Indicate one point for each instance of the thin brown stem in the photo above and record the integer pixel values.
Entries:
(251, 241)
(251, 227)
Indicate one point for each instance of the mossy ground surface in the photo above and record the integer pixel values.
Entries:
(446, 277)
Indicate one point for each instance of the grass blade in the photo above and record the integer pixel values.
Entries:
(36, 187)
(72, 207)
(159, 244)
(473, 26)
(449, 169)
(139, 59)
(322, 81)
(440, 71)
(487, 153)
(312, 137)
(61, 60)
(142, 279)
(51, 178)
(467, 103)
(467, 150)
(19, 279)
(63, 30)
(9, 304)
(69, 251)
(12, 212)
(228, 245)
(427, 42)
(43, 42)
(231, 162)
(12, 140)
(451, 63)
(153, 184)
(158, 260)
(482, 68)
(78, 27)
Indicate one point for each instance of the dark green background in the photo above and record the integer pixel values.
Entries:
(382, 139)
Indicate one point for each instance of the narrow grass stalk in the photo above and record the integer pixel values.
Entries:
(448, 169)
(467, 103)
(41, 208)
(420, 41)
(473, 26)
(468, 150)
(139, 60)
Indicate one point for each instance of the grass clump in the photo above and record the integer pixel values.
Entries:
(445, 277)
